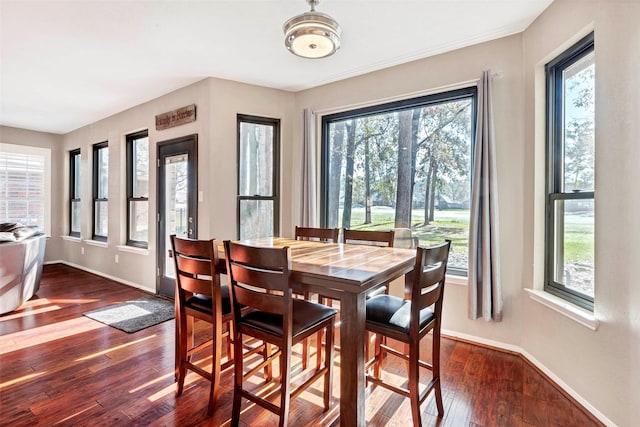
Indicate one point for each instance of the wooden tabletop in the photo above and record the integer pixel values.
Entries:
(348, 267)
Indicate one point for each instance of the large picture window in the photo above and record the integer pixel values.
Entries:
(100, 191)
(570, 224)
(138, 189)
(25, 185)
(258, 176)
(405, 164)
(74, 193)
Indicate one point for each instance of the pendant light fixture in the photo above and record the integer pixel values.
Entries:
(312, 34)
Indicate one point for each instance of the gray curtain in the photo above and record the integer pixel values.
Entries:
(485, 289)
(308, 211)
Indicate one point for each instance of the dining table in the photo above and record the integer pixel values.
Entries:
(343, 272)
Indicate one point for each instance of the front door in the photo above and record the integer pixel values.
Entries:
(177, 203)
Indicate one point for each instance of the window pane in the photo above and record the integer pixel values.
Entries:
(101, 218)
(103, 173)
(139, 215)
(141, 167)
(256, 219)
(23, 186)
(256, 165)
(574, 237)
(76, 176)
(75, 217)
(406, 168)
(579, 121)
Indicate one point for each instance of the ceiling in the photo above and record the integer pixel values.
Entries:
(66, 64)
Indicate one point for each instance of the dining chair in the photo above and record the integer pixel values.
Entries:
(408, 321)
(371, 237)
(320, 234)
(329, 235)
(260, 281)
(199, 295)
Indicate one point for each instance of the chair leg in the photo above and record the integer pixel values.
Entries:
(328, 361)
(185, 328)
(319, 344)
(305, 353)
(216, 346)
(237, 382)
(285, 395)
(378, 356)
(414, 382)
(268, 370)
(435, 361)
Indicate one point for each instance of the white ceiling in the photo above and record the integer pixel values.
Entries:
(66, 64)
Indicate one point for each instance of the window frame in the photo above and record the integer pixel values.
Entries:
(96, 179)
(470, 92)
(130, 140)
(73, 181)
(555, 166)
(275, 197)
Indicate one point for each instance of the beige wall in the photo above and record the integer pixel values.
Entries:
(599, 365)
(9, 135)
(218, 102)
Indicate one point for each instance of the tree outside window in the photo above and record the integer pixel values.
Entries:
(403, 165)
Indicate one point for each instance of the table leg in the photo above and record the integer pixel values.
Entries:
(352, 375)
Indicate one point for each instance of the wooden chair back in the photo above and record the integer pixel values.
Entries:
(369, 237)
(430, 270)
(196, 265)
(314, 233)
(259, 278)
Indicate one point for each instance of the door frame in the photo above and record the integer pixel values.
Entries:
(187, 144)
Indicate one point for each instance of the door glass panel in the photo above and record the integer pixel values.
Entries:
(256, 219)
(574, 234)
(176, 185)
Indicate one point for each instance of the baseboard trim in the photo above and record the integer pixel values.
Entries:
(589, 410)
(101, 274)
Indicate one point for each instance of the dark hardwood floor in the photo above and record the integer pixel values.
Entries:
(58, 367)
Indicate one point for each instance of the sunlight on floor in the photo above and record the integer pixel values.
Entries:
(21, 379)
(47, 333)
(112, 349)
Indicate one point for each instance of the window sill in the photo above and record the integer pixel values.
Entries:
(72, 239)
(97, 243)
(580, 315)
(457, 280)
(133, 250)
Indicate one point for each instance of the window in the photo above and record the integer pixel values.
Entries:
(74, 193)
(570, 226)
(138, 189)
(100, 190)
(258, 170)
(404, 164)
(25, 185)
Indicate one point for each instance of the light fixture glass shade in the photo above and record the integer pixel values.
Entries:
(312, 35)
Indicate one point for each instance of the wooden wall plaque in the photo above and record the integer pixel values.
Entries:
(177, 117)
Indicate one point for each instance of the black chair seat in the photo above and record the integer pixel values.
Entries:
(306, 314)
(202, 303)
(394, 312)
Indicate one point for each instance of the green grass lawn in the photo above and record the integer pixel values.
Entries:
(453, 224)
